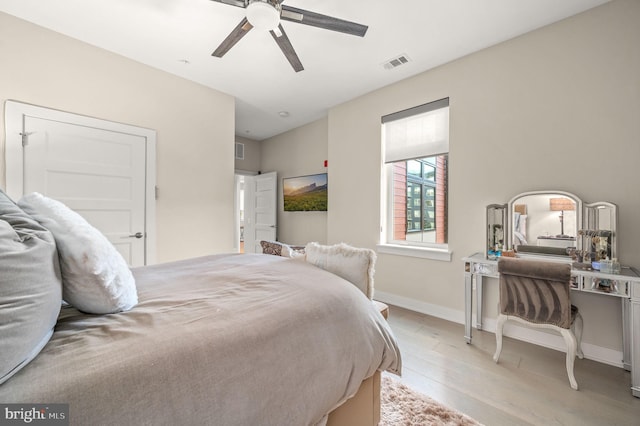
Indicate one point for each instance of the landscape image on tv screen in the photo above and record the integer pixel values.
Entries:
(305, 193)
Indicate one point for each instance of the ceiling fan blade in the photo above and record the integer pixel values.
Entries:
(238, 32)
(322, 21)
(285, 45)
(239, 3)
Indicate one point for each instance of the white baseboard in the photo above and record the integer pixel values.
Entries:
(418, 306)
(592, 352)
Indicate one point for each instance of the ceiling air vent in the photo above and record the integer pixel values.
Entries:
(396, 62)
(239, 151)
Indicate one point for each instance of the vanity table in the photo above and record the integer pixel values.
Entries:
(600, 217)
(625, 285)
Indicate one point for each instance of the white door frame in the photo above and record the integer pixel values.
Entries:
(249, 215)
(14, 166)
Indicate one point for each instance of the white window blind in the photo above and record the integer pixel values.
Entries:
(418, 132)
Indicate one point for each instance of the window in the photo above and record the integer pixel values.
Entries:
(421, 194)
(416, 145)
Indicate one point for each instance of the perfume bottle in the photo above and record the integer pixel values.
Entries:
(615, 266)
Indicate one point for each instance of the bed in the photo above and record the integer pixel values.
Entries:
(229, 339)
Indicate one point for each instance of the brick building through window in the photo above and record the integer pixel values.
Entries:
(420, 200)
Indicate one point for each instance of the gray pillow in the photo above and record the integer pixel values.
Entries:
(30, 287)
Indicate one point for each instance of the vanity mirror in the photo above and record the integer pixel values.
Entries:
(544, 222)
(598, 232)
(496, 229)
(555, 223)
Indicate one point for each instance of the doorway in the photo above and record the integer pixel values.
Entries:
(239, 202)
(256, 210)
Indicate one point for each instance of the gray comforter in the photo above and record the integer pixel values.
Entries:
(217, 340)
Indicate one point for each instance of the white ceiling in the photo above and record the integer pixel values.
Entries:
(178, 36)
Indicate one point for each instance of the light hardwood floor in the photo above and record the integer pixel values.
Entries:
(528, 387)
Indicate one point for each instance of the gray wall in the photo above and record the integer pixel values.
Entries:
(252, 156)
(299, 152)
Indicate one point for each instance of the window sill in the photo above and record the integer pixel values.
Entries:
(415, 251)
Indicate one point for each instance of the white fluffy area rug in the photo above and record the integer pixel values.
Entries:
(402, 406)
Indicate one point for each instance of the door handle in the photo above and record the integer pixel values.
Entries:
(137, 235)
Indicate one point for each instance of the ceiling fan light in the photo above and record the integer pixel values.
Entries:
(263, 15)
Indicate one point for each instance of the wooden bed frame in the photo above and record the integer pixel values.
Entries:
(361, 410)
(364, 408)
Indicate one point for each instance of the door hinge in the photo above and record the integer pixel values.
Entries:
(25, 138)
(156, 191)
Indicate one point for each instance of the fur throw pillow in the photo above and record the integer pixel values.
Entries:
(356, 265)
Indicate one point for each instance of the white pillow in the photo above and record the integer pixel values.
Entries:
(294, 252)
(355, 265)
(95, 277)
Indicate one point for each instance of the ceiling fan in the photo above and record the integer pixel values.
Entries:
(267, 14)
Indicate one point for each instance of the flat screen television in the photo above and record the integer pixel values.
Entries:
(305, 193)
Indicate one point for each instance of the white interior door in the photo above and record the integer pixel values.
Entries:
(261, 194)
(97, 170)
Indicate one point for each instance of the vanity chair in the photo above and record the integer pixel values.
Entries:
(537, 293)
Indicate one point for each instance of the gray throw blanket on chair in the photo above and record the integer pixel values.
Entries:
(536, 291)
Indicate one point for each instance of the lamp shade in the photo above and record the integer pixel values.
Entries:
(561, 204)
(263, 15)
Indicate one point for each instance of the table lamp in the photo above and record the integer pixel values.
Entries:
(560, 205)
